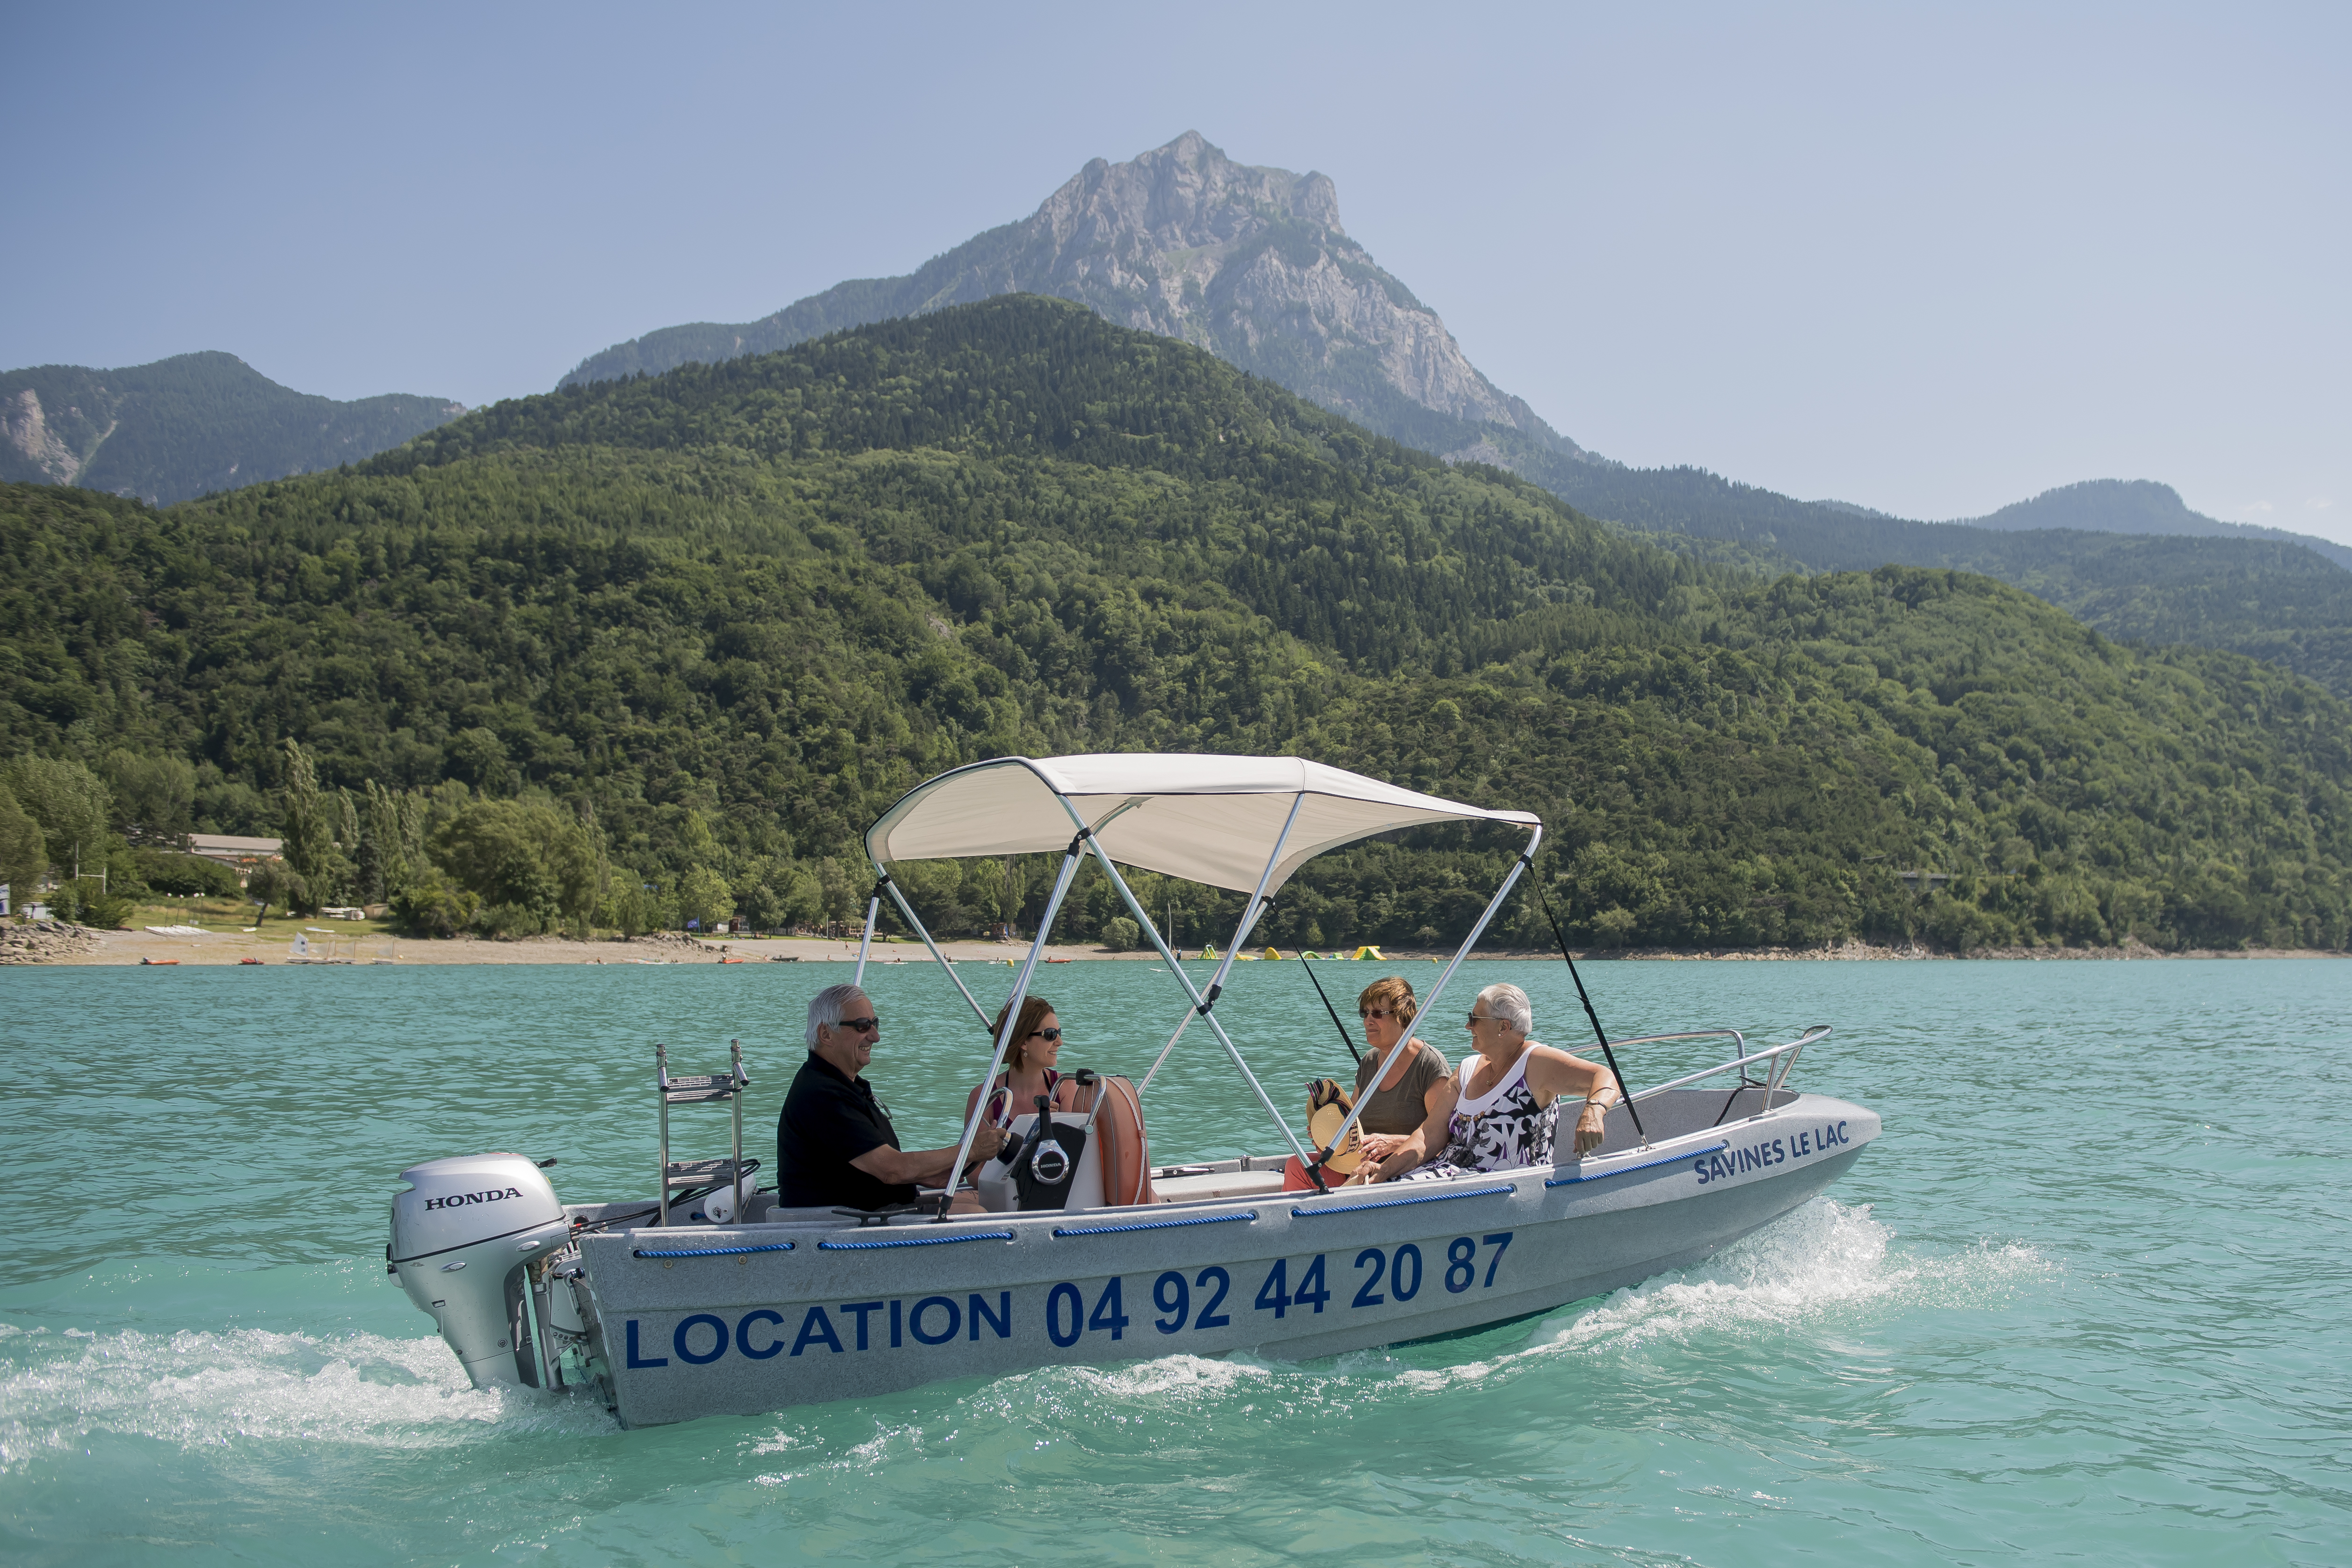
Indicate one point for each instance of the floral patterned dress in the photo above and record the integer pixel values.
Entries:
(1501, 1129)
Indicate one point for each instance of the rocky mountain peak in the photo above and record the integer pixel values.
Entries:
(1181, 196)
(1250, 263)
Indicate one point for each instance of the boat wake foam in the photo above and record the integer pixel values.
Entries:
(197, 1388)
(1824, 1266)
(1825, 1273)
(1825, 1262)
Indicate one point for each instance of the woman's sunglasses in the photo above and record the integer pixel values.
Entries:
(1048, 1035)
(1374, 1013)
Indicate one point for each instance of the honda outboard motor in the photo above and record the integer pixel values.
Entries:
(463, 1237)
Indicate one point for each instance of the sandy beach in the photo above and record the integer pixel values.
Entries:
(367, 944)
(367, 947)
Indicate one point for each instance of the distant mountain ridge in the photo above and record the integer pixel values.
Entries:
(2137, 506)
(186, 425)
(1249, 263)
(2284, 599)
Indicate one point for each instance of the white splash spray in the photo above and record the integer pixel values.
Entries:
(195, 1388)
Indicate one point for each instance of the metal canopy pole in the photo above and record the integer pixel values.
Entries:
(1203, 1007)
(1190, 1014)
(1526, 858)
(1070, 860)
(907, 912)
(1242, 933)
(872, 913)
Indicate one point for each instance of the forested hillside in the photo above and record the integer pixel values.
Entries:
(1253, 265)
(706, 626)
(2276, 598)
(184, 425)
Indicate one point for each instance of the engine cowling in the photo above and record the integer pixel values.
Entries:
(464, 1236)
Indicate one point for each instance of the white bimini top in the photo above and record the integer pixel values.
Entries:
(1208, 819)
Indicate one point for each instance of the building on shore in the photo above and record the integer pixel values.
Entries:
(240, 855)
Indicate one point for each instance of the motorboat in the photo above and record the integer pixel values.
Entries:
(713, 1298)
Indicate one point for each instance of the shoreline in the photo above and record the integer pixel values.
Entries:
(60, 945)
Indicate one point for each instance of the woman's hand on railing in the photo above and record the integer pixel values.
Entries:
(1591, 1128)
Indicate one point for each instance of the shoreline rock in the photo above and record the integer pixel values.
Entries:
(45, 941)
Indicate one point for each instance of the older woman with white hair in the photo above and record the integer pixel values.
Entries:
(1510, 1093)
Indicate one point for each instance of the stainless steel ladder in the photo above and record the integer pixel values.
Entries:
(702, 1089)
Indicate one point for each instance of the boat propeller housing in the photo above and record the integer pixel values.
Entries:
(463, 1238)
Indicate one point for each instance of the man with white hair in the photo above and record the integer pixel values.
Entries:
(834, 1145)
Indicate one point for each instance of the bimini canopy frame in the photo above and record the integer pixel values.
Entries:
(1241, 823)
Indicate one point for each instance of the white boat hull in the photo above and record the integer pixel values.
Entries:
(699, 1320)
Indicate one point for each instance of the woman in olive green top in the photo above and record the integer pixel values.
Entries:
(1406, 1123)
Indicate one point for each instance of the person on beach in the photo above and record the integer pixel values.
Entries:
(1509, 1093)
(1029, 1069)
(1410, 1086)
(836, 1147)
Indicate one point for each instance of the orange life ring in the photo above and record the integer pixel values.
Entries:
(1126, 1149)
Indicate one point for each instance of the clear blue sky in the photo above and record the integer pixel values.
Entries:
(1930, 260)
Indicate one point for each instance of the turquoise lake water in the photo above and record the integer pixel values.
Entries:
(2088, 1299)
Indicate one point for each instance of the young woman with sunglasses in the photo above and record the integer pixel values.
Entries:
(1029, 1069)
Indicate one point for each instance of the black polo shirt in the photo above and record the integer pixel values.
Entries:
(830, 1119)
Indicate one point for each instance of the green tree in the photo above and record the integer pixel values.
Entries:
(531, 866)
(71, 805)
(703, 896)
(430, 904)
(154, 796)
(804, 899)
(24, 860)
(311, 819)
(628, 905)
(840, 896)
(274, 882)
(390, 838)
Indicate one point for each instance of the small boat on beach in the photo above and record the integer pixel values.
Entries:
(708, 1297)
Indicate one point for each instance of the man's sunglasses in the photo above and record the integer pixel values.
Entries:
(1048, 1035)
(860, 1025)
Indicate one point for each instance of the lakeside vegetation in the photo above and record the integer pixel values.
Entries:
(648, 650)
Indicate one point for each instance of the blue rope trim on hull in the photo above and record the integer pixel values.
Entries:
(914, 1241)
(713, 1251)
(1644, 1165)
(1402, 1203)
(1151, 1225)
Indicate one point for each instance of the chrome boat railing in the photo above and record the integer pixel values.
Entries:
(1784, 1057)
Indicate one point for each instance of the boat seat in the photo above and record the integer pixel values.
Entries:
(1217, 1184)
